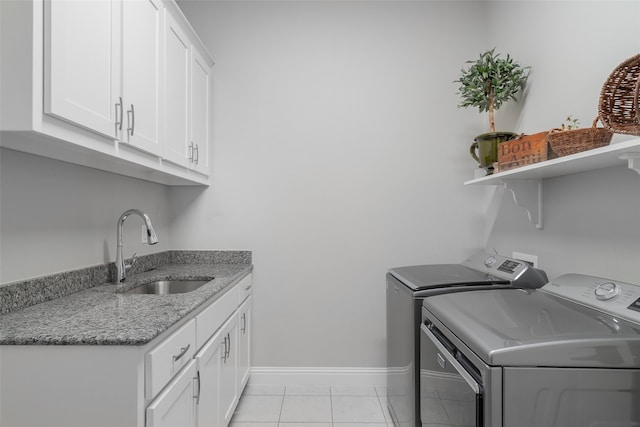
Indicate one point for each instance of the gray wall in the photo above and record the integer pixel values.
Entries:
(591, 220)
(57, 217)
(338, 151)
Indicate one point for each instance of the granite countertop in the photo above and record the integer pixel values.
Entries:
(102, 315)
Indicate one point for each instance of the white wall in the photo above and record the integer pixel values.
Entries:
(591, 220)
(57, 217)
(339, 152)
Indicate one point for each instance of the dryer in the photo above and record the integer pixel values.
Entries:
(564, 355)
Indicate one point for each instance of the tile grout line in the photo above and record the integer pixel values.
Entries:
(331, 406)
(284, 393)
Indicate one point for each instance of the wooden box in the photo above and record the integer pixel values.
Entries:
(526, 150)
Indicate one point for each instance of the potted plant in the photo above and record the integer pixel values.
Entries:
(487, 83)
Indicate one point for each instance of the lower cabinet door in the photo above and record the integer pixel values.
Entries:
(175, 405)
(209, 360)
(229, 372)
(244, 344)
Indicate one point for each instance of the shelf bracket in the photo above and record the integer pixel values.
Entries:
(633, 160)
(532, 189)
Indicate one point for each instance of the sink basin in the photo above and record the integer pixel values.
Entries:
(167, 287)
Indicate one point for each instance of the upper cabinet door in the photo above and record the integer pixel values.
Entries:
(142, 74)
(82, 64)
(176, 93)
(200, 112)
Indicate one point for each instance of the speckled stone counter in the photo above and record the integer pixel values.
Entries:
(102, 315)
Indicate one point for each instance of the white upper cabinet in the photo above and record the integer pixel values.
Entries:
(187, 99)
(82, 74)
(176, 113)
(142, 74)
(200, 112)
(107, 84)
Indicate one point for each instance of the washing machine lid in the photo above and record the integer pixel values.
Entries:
(422, 277)
(478, 269)
(513, 327)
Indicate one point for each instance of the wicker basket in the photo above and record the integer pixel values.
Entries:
(565, 142)
(619, 106)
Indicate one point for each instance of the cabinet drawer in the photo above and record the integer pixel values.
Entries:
(245, 287)
(214, 316)
(166, 359)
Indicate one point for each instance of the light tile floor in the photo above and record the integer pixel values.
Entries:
(312, 406)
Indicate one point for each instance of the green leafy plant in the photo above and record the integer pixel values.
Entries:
(570, 123)
(490, 81)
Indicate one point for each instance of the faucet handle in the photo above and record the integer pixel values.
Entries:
(134, 259)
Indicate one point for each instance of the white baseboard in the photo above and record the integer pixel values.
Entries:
(318, 376)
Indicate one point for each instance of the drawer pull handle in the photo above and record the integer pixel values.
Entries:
(183, 351)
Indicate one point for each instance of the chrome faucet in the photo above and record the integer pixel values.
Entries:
(152, 239)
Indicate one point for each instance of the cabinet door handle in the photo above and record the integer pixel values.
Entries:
(197, 159)
(191, 152)
(119, 119)
(229, 346)
(131, 117)
(224, 352)
(243, 329)
(197, 396)
(183, 351)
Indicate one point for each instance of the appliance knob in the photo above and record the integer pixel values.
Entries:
(490, 261)
(607, 291)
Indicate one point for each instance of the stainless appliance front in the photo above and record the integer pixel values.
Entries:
(565, 355)
(407, 287)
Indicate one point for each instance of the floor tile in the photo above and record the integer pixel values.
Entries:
(381, 390)
(308, 390)
(305, 425)
(251, 424)
(258, 409)
(364, 409)
(306, 409)
(385, 409)
(360, 425)
(350, 390)
(264, 390)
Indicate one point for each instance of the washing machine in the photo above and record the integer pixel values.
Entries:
(564, 355)
(407, 287)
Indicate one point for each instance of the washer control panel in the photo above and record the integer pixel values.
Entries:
(607, 291)
(619, 299)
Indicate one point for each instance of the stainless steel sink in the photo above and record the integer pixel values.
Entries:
(167, 287)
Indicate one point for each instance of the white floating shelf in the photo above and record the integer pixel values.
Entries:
(611, 155)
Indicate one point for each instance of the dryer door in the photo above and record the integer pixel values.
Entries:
(451, 393)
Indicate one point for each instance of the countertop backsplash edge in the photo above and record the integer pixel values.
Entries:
(18, 295)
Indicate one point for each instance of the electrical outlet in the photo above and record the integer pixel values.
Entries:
(143, 239)
(532, 260)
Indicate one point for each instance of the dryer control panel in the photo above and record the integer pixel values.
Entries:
(501, 268)
(616, 298)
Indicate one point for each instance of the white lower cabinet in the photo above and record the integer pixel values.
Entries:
(191, 376)
(228, 372)
(175, 406)
(244, 342)
(223, 359)
(218, 391)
